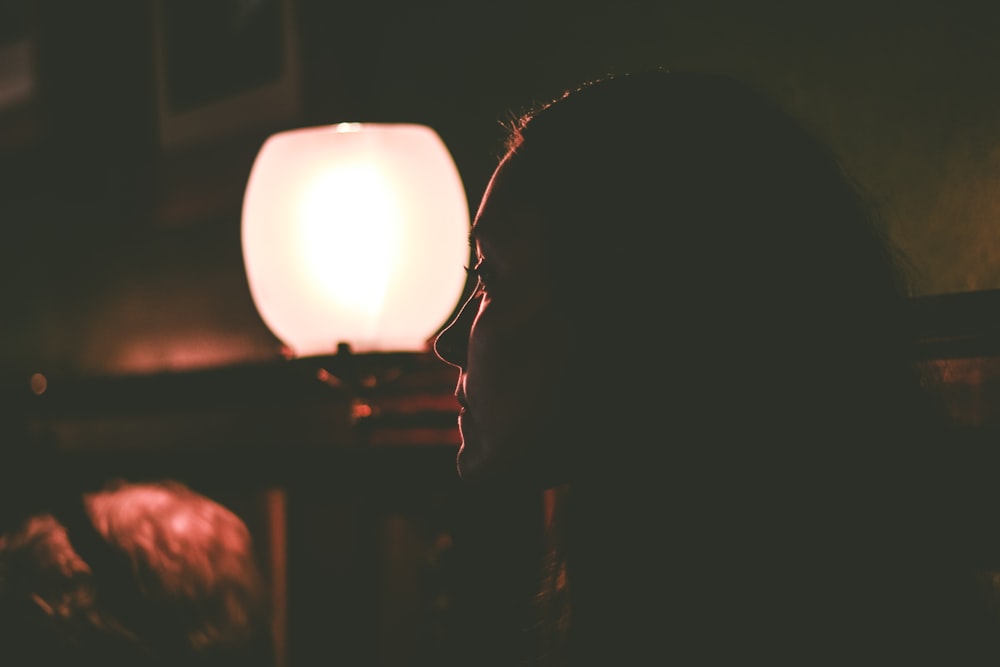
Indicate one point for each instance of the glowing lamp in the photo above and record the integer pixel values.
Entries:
(355, 234)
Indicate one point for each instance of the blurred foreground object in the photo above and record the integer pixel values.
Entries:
(134, 574)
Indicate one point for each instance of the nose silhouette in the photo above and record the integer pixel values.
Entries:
(452, 344)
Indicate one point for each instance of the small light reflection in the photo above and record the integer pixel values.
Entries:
(328, 378)
(360, 410)
(38, 383)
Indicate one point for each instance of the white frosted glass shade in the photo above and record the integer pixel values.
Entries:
(355, 233)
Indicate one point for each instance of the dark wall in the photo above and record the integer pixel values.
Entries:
(120, 254)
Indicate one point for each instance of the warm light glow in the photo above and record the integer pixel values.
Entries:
(347, 239)
(39, 383)
(355, 233)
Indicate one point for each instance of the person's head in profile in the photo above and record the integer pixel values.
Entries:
(690, 320)
(659, 245)
(137, 574)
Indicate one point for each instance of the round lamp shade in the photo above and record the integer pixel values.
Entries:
(355, 233)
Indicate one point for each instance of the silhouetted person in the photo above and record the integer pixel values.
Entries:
(689, 331)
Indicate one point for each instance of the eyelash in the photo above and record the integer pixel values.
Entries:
(481, 274)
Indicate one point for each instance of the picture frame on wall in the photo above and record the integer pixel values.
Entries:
(223, 68)
(18, 75)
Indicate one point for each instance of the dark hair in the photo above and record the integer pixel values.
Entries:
(760, 471)
(699, 184)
